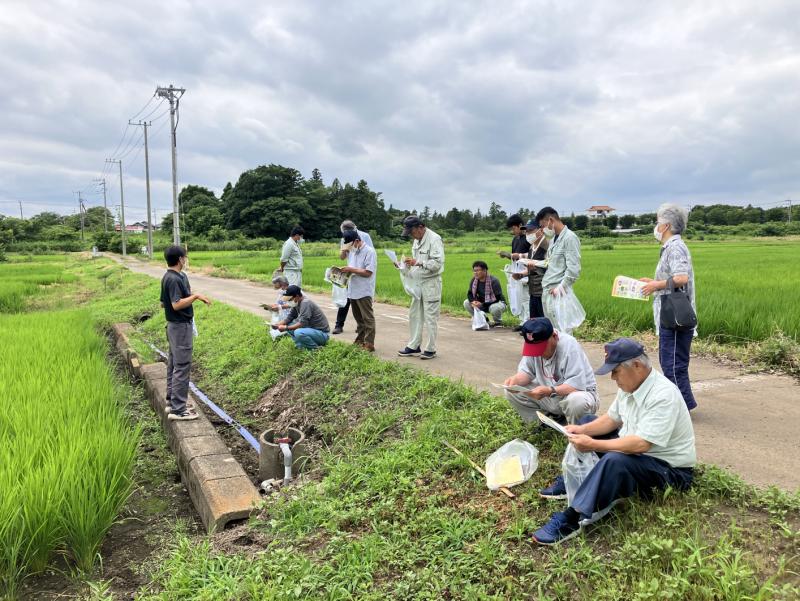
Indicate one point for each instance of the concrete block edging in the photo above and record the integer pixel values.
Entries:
(218, 486)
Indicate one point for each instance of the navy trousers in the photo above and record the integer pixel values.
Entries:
(673, 354)
(535, 306)
(617, 476)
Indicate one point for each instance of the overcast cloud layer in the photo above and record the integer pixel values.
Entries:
(438, 104)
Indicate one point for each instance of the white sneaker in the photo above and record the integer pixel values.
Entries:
(183, 417)
(189, 407)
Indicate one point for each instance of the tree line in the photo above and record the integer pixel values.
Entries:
(268, 201)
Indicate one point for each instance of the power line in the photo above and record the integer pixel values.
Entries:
(141, 110)
(173, 95)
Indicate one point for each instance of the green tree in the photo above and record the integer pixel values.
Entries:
(627, 221)
(581, 222)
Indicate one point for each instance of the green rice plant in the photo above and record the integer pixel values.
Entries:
(66, 447)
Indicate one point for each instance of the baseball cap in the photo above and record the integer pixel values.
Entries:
(532, 225)
(617, 351)
(291, 292)
(536, 333)
(409, 222)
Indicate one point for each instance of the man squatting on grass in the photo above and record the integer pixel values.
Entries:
(362, 263)
(341, 314)
(306, 322)
(426, 265)
(645, 441)
(177, 299)
(559, 373)
(485, 293)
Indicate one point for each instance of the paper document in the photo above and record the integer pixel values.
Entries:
(512, 388)
(392, 255)
(553, 424)
(625, 287)
(508, 472)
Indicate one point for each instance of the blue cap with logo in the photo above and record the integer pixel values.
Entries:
(617, 351)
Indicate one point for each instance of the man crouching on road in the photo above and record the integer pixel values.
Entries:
(559, 373)
(306, 322)
(645, 441)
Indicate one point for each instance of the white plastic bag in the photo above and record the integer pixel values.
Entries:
(513, 463)
(567, 310)
(274, 320)
(517, 289)
(339, 296)
(479, 320)
(575, 467)
(410, 282)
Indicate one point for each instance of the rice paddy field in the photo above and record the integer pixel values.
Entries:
(66, 447)
(746, 289)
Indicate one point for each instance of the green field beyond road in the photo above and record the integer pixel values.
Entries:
(745, 289)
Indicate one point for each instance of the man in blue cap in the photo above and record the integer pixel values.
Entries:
(646, 442)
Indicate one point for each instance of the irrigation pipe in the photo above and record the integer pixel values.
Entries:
(217, 409)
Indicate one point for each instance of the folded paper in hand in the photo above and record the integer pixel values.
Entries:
(625, 287)
(512, 388)
(553, 424)
(392, 255)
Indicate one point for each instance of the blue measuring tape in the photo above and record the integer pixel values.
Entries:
(218, 410)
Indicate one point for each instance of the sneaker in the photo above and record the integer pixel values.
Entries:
(183, 417)
(557, 530)
(189, 407)
(409, 352)
(557, 490)
(337, 330)
(428, 355)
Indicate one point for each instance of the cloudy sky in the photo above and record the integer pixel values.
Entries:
(433, 103)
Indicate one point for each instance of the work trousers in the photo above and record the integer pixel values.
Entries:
(573, 406)
(179, 364)
(425, 311)
(673, 354)
(309, 338)
(341, 314)
(619, 475)
(294, 276)
(365, 320)
(535, 307)
(495, 309)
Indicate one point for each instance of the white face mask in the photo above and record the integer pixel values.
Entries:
(301, 241)
(658, 235)
(531, 238)
(291, 304)
(549, 233)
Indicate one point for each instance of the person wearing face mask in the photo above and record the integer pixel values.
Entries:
(177, 300)
(536, 267)
(292, 257)
(346, 226)
(675, 263)
(563, 261)
(306, 322)
(362, 263)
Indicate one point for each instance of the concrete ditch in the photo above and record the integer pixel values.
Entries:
(218, 486)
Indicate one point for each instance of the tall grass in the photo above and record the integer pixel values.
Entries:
(21, 280)
(745, 289)
(66, 447)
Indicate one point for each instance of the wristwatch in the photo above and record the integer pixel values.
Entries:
(552, 390)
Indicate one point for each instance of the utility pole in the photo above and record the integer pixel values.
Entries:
(145, 125)
(21, 216)
(790, 210)
(102, 181)
(122, 205)
(173, 95)
(80, 210)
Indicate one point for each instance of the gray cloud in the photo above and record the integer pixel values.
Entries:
(438, 104)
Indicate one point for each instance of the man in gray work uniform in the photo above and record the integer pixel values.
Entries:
(177, 299)
(556, 373)
(292, 257)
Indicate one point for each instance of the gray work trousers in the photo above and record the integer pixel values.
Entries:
(495, 309)
(179, 364)
(425, 311)
(294, 276)
(573, 406)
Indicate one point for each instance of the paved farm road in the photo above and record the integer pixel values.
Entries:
(745, 422)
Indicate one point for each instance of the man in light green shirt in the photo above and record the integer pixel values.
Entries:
(563, 261)
(645, 442)
(425, 266)
(292, 258)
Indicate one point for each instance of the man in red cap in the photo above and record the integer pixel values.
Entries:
(557, 374)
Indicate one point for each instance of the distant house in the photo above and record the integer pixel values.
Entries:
(600, 211)
(133, 228)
